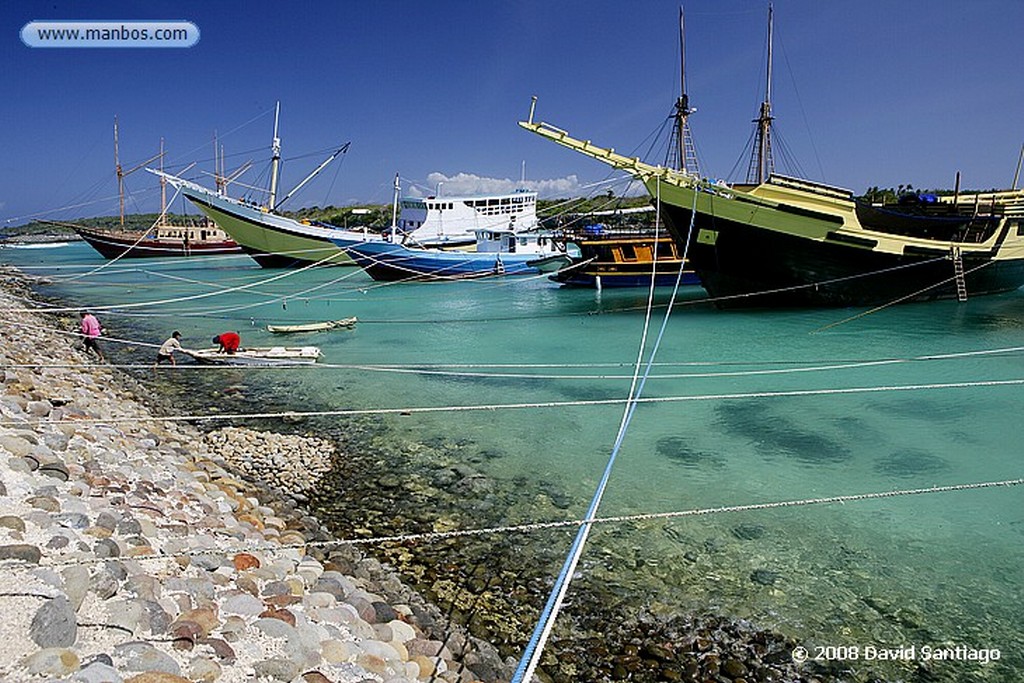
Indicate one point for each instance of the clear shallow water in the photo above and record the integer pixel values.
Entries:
(915, 570)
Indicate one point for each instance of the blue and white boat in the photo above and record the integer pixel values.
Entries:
(498, 252)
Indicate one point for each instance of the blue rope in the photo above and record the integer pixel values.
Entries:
(531, 655)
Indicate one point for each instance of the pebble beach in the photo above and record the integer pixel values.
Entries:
(136, 549)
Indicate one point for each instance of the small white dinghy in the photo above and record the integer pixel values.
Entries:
(313, 327)
(271, 355)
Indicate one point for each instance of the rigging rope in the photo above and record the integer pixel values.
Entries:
(558, 524)
(145, 233)
(534, 649)
(348, 412)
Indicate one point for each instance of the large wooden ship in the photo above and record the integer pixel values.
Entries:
(780, 241)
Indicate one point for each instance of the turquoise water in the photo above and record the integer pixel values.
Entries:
(916, 570)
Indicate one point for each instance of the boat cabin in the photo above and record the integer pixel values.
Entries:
(501, 241)
(204, 232)
(440, 219)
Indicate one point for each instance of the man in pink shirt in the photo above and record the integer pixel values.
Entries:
(91, 330)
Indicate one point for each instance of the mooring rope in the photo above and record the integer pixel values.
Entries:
(143, 304)
(354, 412)
(143, 236)
(901, 299)
(652, 516)
(535, 647)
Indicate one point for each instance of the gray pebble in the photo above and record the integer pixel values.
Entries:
(76, 584)
(21, 551)
(57, 470)
(12, 522)
(106, 547)
(277, 668)
(54, 624)
(98, 672)
(103, 584)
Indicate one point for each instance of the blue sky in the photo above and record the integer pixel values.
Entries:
(873, 92)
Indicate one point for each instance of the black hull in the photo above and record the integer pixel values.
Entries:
(111, 246)
(614, 279)
(751, 267)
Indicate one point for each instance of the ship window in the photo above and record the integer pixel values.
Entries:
(628, 253)
(492, 202)
(1020, 228)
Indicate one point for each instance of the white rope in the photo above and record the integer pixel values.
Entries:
(351, 412)
(531, 527)
(204, 295)
(534, 649)
(124, 253)
(650, 516)
(912, 295)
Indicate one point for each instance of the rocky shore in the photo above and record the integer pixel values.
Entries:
(138, 549)
(134, 549)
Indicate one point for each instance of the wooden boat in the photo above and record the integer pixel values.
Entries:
(313, 327)
(276, 241)
(778, 241)
(162, 240)
(498, 252)
(273, 355)
(623, 258)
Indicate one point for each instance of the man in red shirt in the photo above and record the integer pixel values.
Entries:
(228, 341)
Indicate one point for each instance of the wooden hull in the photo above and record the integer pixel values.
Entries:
(272, 241)
(276, 355)
(600, 278)
(624, 258)
(794, 242)
(390, 262)
(128, 245)
(756, 256)
(348, 323)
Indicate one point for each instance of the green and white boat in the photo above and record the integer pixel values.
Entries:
(276, 241)
(779, 241)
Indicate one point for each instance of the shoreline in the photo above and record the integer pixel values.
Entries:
(605, 638)
(132, 552)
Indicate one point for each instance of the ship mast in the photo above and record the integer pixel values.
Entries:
(394, 207)
(163, 187)
(762, 164)
(120, 174)
(275, 160)
(681, 145)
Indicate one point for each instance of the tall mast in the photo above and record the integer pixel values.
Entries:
(683, 148)
(394, 207)
(216, 165)
(163, 185)
(275, 161)
(761, 163)
(120, 174)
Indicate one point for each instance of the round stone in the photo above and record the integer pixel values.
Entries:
(52, 662)
(54, 624)
(12, 522)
